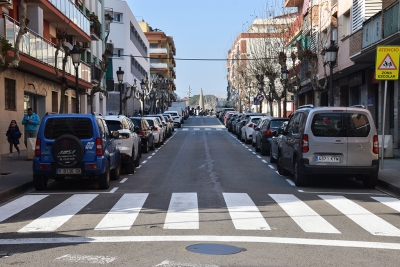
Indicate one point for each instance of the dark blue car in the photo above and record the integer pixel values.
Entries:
(75, 145)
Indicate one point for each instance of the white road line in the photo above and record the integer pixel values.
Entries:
(367, 220)
(132, 173)
(114, 189)
(264, 161)
(250, 149)
(124, 212)
(253, 152)
(204, 238)
(244, 213)
(144, 161)
(303, 215)
(183, 212)
(259, 157)
(218, 129)
(18, 205)
(207, 129)
(391, 202)
(185, 129)
(57, 216)
(93, 259)
(341, 193)
(271, 166)
(123, 180)
(153, 154)
(278, 173)
(290, 182)
(138, 167)
(196, 129)
(149, 157)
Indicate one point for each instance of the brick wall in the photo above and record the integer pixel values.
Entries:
(355, 42)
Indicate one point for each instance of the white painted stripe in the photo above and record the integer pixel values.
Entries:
(124, 212)
(278, 173)
(208, 129)
(271, 166)
(114, 189)
(253, 152)
(303, 215)
(144, 161)
(183, 212)
(138, 167)
(218, 129)
(59, 215)
(250, 149)
(132, 173)
(391, 202)
(86, 259)
(264, 161)
(149, 157)
(196, 129)
(185, 129)
(341, 193)
(18, 205)
(244, 213)
(367, 220)
(245, 146)
(202, 238)
(153, 154)
(290, 182)
(259, 157)
(123, 180)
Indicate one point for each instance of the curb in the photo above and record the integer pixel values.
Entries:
(389, 187)
(15, 191)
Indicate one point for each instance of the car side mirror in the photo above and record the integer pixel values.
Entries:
(115, 134)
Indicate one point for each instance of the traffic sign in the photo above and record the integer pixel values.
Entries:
(387, 63)
(260, 98)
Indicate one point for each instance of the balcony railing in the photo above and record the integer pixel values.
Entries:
(71, 11)
(41, 49)
(372, 30)
(391, 24)
(158, 51)
(159, 65)
(95, 71)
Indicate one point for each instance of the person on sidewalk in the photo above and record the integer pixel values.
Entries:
(13, 135)
(31, 121)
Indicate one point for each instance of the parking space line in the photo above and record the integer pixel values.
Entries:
(264, 161)
(289, 181)
(254, 152)
(144, 161)
(113, 190)
(123, 180)
(258, 157)
(149, 157)
(272, 167)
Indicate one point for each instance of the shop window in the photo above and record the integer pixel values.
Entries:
(9, 94)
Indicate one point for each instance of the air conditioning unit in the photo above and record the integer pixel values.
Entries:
(7, 3)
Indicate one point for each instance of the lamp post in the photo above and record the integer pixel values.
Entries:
(76, 60)
(331, 54)
(120, 76)
(285, 76)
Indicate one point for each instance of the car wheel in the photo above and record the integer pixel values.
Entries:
(271, 158)
(137, 160)
(152, 146)
(281, 170)
(104, 178)
(252, 143)
(159, 143)
(257, 148)
(146, 147)
(371, 180)
(300, 179)
(116, 172)
(267, 150)
(39, 182)
(129, 166)
(263, 152)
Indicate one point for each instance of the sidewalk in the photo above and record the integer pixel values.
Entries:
(16, 174)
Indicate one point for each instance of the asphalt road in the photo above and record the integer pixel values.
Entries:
(202, 187)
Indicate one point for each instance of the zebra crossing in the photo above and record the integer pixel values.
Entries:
(183, 213)
(201, 129)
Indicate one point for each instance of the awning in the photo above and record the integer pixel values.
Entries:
(305, 89)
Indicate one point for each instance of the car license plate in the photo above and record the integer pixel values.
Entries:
(69, 171)
(327, 158)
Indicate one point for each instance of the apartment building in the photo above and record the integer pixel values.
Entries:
(130, 54)
(34, 83)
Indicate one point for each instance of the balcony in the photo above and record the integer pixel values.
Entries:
(96, 72)
(158, 65)
(294, 29)
(391, 23)
(372, 30)
(158, 51)
(40, 49)
(95, 31)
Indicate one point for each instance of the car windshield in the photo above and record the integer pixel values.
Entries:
(79, 127)
(114, 125)
(136, 122)
(151, 122)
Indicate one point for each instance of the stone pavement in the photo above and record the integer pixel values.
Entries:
(16, 174)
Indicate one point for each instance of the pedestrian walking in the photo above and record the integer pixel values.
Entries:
(13, 135)
(31, 121)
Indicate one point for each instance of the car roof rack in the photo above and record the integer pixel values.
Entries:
(357, 106)
(306, 106)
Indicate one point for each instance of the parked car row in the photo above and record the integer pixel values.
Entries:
(316, 142)
(94, 146)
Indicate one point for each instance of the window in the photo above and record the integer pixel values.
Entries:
(117, 17)
(118, 52)
(153, 45)
(9, 94)
(346, 23)
(54, 101)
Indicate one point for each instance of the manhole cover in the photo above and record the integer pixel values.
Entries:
(214, 249)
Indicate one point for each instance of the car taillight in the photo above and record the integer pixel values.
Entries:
(171, 120)
(268, 133)
(375, 148)
(141, 133)
(155, 128)
(251, 125)
(304, 146)
(99, 147)
(37, 147)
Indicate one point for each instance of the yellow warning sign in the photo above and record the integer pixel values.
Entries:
(387, 63)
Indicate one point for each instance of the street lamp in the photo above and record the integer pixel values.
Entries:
(76, 60)
(331, 54)
(120, 76)
(285, 76)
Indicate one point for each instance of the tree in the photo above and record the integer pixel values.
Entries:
(5, 45)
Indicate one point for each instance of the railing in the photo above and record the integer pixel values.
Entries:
(159, 65)
(158, 51)
(41, 49)
(71, 11)
(372, 30)
(95, 71)
(294, 29)
(391, 24)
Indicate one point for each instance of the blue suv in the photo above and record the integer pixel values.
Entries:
(75, 145)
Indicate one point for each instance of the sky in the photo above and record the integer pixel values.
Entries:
(201, 29)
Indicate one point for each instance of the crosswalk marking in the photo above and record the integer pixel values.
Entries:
(391, 202)
(219, 129)
(196, 129)
(208, 129)
(244, 213)
(303, 215)
(185, 129)
(367, 220)
(182, 212)
(18, 205)
(56, 217)
(124, 212)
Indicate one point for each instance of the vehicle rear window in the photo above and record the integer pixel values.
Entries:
(275, 124)
(79, 127)
(114, 125)
(255, 120)
(151, 122)
(136, 122)
(341, 125)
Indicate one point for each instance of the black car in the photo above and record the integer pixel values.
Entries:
(145, 133)
(265, 132)
(273, 156)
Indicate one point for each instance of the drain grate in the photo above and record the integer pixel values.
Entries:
(214, 249)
